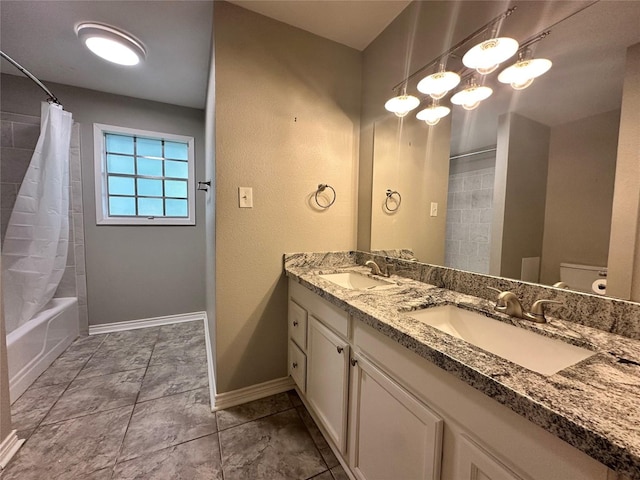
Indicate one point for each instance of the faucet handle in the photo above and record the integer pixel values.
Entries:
(537, 310)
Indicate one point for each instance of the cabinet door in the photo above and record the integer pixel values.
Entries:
(327, 380)
(474, 463)
(297, 365)
(392, 434)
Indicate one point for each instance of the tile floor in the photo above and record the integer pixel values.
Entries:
(135, 405)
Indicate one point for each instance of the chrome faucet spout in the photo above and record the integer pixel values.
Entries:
(375, 269)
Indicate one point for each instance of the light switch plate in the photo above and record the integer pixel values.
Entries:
(434, 209)
(245, 197)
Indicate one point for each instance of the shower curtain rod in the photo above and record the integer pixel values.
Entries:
(51, 96)
(471, 154)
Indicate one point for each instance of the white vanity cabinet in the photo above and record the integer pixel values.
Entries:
(392, 434)
(391, 414)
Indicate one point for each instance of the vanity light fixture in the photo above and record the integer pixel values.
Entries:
(432, 114)
(402, 104)
(488, 55)
(472, 95)
(522, 73)
(111, 44)
(438, 84)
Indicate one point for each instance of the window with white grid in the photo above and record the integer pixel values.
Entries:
(143, 178)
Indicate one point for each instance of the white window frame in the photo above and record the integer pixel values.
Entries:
(100, 164)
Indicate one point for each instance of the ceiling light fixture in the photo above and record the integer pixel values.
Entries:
(111, 44)
(432, 114)
(472, 95)
(522, 73)
(488, 55)
(402, 104)
(438, 84)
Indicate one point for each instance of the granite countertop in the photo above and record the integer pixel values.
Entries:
(593, 405)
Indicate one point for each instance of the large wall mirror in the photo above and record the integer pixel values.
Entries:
(523, 186)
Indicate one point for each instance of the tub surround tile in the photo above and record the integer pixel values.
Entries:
(90, 395)
(591, 405)
(32, 406)
(77, 448)
(277, 446)
(165, 380)
(168, 421)
(247, 412)
(25, 135)
(194, 460)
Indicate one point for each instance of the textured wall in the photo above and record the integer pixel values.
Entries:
(624, 254)
(582, 165)
(519, 194)
(133, 272)
(287, 119)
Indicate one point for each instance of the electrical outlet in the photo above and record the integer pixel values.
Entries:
(245, 197)
(434, 209)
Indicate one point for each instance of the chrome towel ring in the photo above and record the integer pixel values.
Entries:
(390, 195)
(321, 188)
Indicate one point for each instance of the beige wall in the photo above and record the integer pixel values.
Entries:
(413, 159)
(582, 165)
(519, 193)
(624, 255)
(133, 272)
(287, 119)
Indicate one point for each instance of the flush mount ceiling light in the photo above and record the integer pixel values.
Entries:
(471, 96)
(402, 104)
(111, 44)
(486, 56)
(432, 115)
(522, 73)
(438, 84)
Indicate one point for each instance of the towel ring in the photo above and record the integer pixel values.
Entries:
(321, 188)
(390, 194)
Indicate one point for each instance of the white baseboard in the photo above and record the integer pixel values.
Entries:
(146, 323)
(254, 392)
(8, 448)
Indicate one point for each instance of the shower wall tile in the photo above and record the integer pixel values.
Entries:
(75, 172)
(25, 135)
(76, 196)
(78, 250)
(83, 318)
(67, 286)
(6, 140)
(78, 229)
(82, 289)
(8, 193)
(15, 162)
(19, 118)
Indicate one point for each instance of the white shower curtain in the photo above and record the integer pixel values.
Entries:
(34, 253)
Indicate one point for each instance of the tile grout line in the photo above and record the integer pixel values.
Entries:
(313, 439)
(135, 403)
(62, 393)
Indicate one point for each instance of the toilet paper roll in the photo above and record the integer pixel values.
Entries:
(600, 286)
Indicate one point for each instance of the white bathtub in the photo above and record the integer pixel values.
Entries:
(32, 347)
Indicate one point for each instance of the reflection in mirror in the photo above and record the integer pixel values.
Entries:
(530, 172)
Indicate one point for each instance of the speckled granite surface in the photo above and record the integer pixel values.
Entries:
(593, 405)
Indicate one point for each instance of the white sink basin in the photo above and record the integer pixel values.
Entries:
(529, 350)
(357, 281)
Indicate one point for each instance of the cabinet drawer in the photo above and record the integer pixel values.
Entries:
(298, 366)
(333, 317)
(298, 324)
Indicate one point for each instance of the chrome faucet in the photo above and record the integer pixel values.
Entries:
(375, 269)
(537, 311)
(508, 303)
